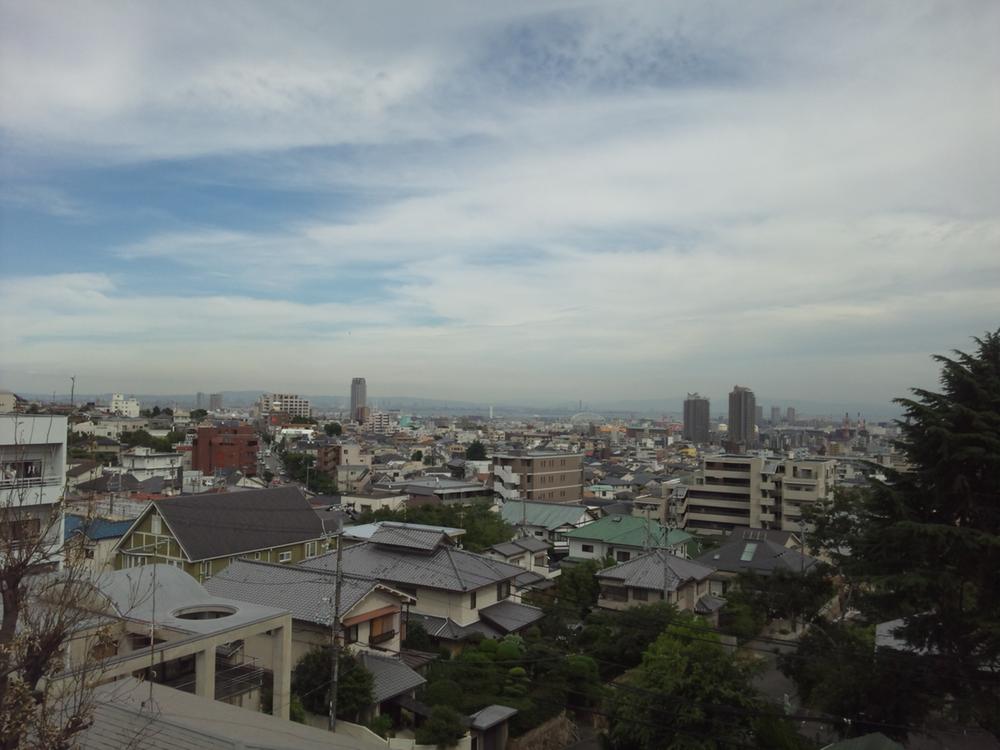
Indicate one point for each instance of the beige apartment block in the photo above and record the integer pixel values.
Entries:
(731, 492)
(538, 475)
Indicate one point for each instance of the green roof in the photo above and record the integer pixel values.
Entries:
(547, 515)
(631, 531)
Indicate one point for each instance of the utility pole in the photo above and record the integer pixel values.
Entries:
(335, 632)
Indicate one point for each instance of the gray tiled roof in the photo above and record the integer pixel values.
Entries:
(216, 525)
(510, 616)
(420, 539)
(447, 567)
(657, 571)
(761, 556)
(392, 676)
(490, 716)
(296, 589)
(520, 546)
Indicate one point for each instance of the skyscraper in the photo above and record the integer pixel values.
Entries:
(775, 415)
(696, 409)
(742, 419)
(359, 399)
(215, 402)
(790, 414)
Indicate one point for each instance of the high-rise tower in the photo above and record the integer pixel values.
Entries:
(696, 410)
(359, 399)
(742, 419)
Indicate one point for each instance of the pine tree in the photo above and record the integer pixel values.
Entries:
(929, 541)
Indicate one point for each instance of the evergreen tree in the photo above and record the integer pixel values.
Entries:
(925, 543)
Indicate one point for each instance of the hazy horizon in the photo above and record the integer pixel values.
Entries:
(544, 201)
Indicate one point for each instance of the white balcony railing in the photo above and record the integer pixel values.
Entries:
(21, 482)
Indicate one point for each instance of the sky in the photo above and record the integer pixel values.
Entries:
(497, 201)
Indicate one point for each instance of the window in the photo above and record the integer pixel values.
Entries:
(256, 555)
(622, 556)
(310, 549)
(588, 547)
(472, 600)
(503, 590)
(351, 634)
(540, 561)
(639, 595)
(206, 568)
(381, 629)
(614, 593)
(285, 556)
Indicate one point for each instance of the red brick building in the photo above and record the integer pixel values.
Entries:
(225, 448)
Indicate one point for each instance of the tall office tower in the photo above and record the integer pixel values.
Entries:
(199, 400)
(696, 408)
(742, 419)
(758, 414)
(775, 414)
(790, 414)
(215, 402)
(359, 399)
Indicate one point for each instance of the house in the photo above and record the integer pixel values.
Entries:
(363, 532)
(546, 521)
(80, 471)
(526, 552)
(32, 477)
(756, 550)
(202, 534)
(92, 541)
(456, 592)
(438, 490)
(145, 463)
(372, 501)
(158, 622)
(654, 576)
(622, 538)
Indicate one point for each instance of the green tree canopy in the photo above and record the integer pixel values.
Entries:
(476, 451)
(313, 675)
(333, 429)
(483, 527)
(443, 729)
(687, 694)
(924, 544)
(417, 456)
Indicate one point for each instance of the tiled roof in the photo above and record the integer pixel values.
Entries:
(520, 546)
(629, 531)
(490, 716)
(418, 539)
(96, 528)
(547, 515)
(657, 571)
(296, 589)
(761, 556)
(510, 616)
(392, 676)
(216, 525)
(445, 568)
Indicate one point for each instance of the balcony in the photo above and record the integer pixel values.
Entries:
(374, 640)
(505, 475)
(767, 517)
(25, 482)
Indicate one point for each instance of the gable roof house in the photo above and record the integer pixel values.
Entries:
(755, 550)
(546, 521)
(624, 537)
(372, 620)
(526, 552)
(456, 592)
(654, 576)
(202, 534)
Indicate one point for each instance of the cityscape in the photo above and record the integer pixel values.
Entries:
(536, 376)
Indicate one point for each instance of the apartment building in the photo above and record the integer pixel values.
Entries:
(287, 403)
(125, 407)
(225, 447)
(696, 418)
(732, 492)
(538, 475)
(145, 463)
(33, 465)
(742, 429)
(381, 422)
(359, 400)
